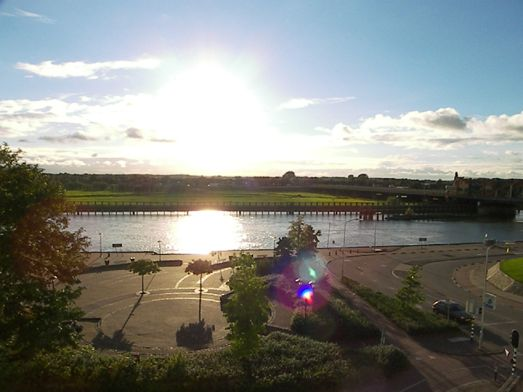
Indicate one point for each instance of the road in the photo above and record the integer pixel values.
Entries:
(444, 267)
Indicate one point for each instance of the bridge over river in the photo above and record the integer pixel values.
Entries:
(365, 211)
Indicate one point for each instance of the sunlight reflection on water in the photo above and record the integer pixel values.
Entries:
(205, 231)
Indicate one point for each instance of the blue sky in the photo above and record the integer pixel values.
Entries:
(415, 89)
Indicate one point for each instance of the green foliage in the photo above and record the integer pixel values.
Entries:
(303, 237)
(388, 357)
(412, 320)
(313, 325)
(248, 309)
(513, 268)
(293, 363)
(194, 335)
(281, 362)
(144, 267)
(39, 260)
(411, 292)
(199, 267)
(284, 248)
(335, 322)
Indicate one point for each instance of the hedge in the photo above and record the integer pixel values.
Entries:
(282, 362)
(411, 320)
(335, 322)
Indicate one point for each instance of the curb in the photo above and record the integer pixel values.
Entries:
(509, 384)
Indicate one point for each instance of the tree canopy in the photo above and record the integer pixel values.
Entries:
(302, 237)
(39, 259)
(144, 267)
(248, 308)
(411, 292)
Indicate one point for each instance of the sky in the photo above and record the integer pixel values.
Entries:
(417, 89)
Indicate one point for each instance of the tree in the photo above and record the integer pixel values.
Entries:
(39, 260)
(199, 267)
(248, 309)
(411, 292)
(283, 248)
(303, 238)
(143, 267)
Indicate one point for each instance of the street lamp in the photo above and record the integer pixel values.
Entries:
(344, 238)
(159, 250)
(489, 244)
(377, 215)
(100, 235)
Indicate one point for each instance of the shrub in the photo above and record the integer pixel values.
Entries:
(295, 363)
(313, 325)
(388, 357)
(336, 322)
(281, 362)
(411, 320)
(194, 335)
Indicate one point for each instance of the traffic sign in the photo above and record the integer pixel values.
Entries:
(470, 306)
(490, 301)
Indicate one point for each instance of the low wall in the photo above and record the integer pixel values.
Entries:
(502, 281)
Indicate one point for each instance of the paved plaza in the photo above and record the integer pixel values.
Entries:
(118, 317)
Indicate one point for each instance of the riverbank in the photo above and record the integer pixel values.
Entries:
(114, 258)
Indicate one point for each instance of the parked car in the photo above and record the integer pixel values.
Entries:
(452, 310)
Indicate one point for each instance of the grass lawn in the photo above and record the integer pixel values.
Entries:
(215, 196)
(513, 268)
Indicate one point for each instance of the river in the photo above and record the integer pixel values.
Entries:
(206, 231)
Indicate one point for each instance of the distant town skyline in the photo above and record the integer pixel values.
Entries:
(391, 89)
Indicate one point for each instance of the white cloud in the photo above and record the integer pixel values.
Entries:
(300, 103)
(81, 69)
(18, 12)
(440, 129)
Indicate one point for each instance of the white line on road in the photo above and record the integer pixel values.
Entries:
(501, 323)
(413, 385)
(181, 280)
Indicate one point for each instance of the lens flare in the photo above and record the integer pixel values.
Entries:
(306, 293)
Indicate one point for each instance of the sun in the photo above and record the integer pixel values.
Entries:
(208, 108)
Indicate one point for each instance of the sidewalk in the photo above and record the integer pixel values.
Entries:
(435, 358)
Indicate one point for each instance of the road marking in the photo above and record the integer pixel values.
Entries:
(213, 273)
(413, 385)
(181, 280)
(501, 323)
(458, 339)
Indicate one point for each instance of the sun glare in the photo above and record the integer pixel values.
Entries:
(205, 231)
(208, 109)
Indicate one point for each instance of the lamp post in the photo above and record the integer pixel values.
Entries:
(159, 250)
(344, 243)
(100, 235)
(489, 244)
(377, 215)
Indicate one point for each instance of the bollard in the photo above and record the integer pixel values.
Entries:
(472, 330)
(514, 361)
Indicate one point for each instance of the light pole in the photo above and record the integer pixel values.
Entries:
(100, 235)
(377, 215)
(489, 244)
(159, 250)
(344, 239)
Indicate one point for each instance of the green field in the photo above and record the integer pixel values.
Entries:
(513, 268)
(210, 197)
